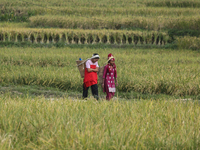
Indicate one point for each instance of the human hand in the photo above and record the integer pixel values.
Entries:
(95, 70)
(102, 85)
(116, 83)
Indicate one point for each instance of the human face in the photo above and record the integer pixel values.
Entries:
(112, 62)
(94, 60)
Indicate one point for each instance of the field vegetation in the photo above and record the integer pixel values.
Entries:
(118, 22)
(188, 42)
(154, 72)
(175, 3)
(156, 46)
(67, 124)
(83, 36)
(173, 18)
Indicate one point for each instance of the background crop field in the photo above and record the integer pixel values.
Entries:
(175, 18)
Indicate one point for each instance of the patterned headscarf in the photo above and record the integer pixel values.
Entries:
(111, 57)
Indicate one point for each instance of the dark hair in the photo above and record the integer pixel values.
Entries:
(95, 54)
(95, 57)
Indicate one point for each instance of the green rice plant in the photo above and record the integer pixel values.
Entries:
(160, 39)
(23, 13)
(94, 8)
(155, 36)
(64, 37)
(3, 35)
(42, 35)
(144, 36)
(76, 36)
(13, 10)
(9, 36)
(67, 123)
(149, 39)
(114, 22)
(188, 42)
(177, 3)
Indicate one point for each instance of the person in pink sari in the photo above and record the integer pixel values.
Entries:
(110, 78)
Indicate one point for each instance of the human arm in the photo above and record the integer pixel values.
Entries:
(104, 75)
(93, 70)
(103, 83)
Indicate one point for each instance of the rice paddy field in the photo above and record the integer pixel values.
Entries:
(156, 45)
(154, 71)
(174, 19)
(67, 124)
(42, 122)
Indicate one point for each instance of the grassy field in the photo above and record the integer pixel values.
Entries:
(153, 71)
(38, 123)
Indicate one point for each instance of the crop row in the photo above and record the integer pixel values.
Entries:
(82, 36)
(153, 80)
(63, 3)
(103, 3)
(119, 22)
(174, 3)
(38, 123)
(155, 71)
(188, 42)
(99, 11)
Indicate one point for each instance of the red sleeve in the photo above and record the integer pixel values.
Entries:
(104, 72)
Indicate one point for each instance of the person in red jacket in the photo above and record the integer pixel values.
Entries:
(90, 78)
